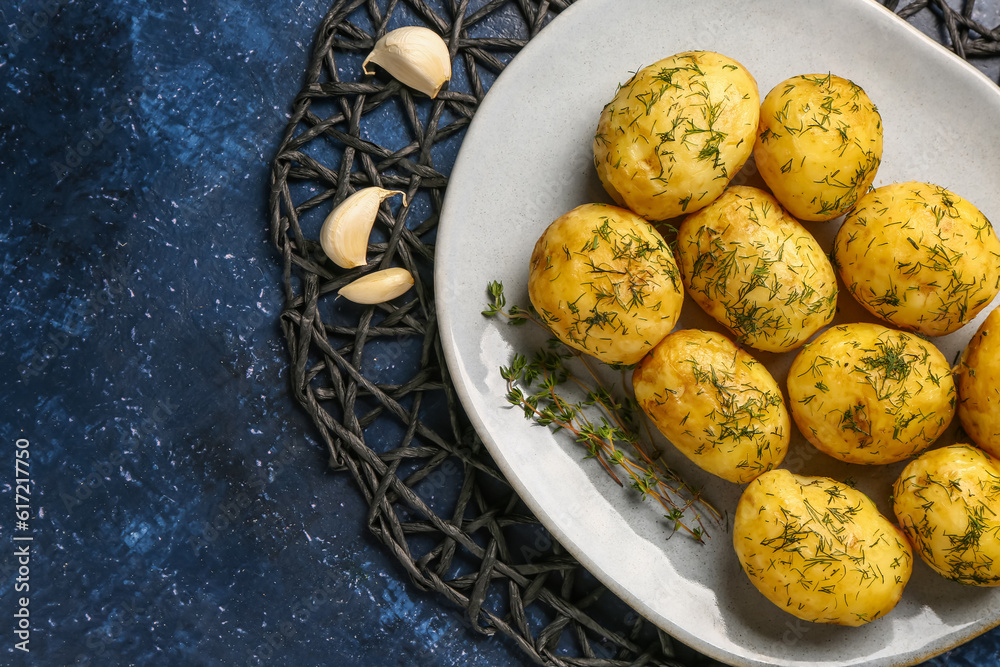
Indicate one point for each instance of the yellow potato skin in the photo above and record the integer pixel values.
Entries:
(864, 393)
(946, 501)
(818, 145)
(757, 270)
(717, 404)
(819, 549)
(605, 282)
(978, 380)
(920, 257)
(676, 132)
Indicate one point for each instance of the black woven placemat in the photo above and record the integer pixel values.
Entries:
(373, 378)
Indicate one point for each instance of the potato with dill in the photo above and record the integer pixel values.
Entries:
(820, 549)
(757, 270)
(978, 379)
(920, 257)
(674, 134)
(713, 401)
(605, 282)
(819, 144)
(864, 393)
(946, 501)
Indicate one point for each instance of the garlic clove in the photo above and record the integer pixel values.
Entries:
(345, 231)
(378, 287)
(416, 56)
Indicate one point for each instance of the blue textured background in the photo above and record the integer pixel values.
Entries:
(181, 510)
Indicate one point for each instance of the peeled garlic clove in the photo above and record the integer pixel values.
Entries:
(378, 287)
(345, 231)
(415, 56)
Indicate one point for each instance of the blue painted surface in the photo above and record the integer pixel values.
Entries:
(181, 509)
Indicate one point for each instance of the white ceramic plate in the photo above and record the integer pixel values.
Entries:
(526, 160)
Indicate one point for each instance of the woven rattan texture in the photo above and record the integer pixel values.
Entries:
(373, 378)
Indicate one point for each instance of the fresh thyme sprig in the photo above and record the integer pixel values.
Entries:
(607, 428)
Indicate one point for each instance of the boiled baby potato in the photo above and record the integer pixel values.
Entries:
(947, 502)
(757, 270)
(718, 405)
(920, 257)
(820, 549)
(978, 381)
(676, 133)
(818, 145)
(864, 393)
(605, 282)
